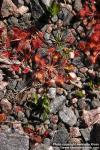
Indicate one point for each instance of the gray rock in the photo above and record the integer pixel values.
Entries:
(2, 94)
(13, 142)
(47, 3)
(46, 141)
(67, 116)
(47, 36)
(20, 115)
(85, 134)
(81, 104)
(60, 138)
(68, 18)
(13, 21)
(77, 5)
(95, 103)
(43, 147)
(36, 9)
(52, 92)
(57, 104)
(12, 85)
(54, 18)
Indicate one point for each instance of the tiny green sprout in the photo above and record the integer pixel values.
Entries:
(90, 84)
(79, 93)
(54, 9)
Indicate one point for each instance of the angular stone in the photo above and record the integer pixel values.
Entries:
(13, 142)
(67, 116)
(85, 134)
(57, 103)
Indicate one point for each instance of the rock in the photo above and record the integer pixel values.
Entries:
(61, 137)
(72, 75)
(46, 141)
(5, 105)
(78, 62)
(54, 119)
(8, 8)
(36, 10)
(95, 103)
(55, 106)
(22, 10)
(81, 104)
(54, 18)
(20, 115)
(52, 92)
(47, 3)
(77, 5)
(43, 147)
(13, 21)
(75, 141)
(67, 116)
(60, 91)
(91, 117)
(12, 84)
(17, 127)
(74, 132)
(47, 36)
(13, 141)
(70, 38)
(85, 134)
(69, 87)
(68, 18)
(2, 94)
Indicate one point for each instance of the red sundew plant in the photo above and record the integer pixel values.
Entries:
(92, 45)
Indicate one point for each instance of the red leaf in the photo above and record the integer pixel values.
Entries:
(15, 67)
(37, 43)
(6, 54)
(20, 34)
(26, 70)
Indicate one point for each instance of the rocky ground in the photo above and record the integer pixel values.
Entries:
(49, 100)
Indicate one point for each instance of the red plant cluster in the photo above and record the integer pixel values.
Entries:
(92, 45)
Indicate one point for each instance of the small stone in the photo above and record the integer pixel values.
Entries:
(86, 134)
(77, 5)
(13, 21)
(72, 75)
(2, 94)
(71, 55)
(22, 10)
(54, 18)
(46, 141)
(49, 29)
(52, 92)
(57, 103)
(61, 137)
(54, 119)
(47, 2)
(47, 36)
(81, 104)
(20, 115)
(95, 103)
(6, 105)
(18, 128)
(75, 141)
(74, 132)
(68, 116)
(60, 91)
(13, 141)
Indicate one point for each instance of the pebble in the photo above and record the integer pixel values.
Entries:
(54, 18)
(85, 134)
(47, 36)
(77, 5)
(67, 116)
(72, 75)
(22, 10)
(46, 141)
(61, 137)
(74, 132)
(57, 103)
(6, 105)
(20, 115)
(47, 2)
(52, 92)
(54, 119)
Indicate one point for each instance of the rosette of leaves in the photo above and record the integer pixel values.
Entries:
(42, 103)
(54, 9)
